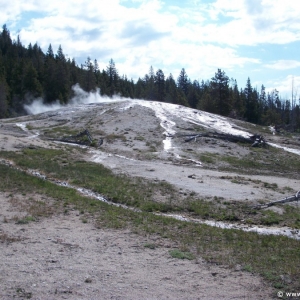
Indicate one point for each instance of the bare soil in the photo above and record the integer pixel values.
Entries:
(61, 257)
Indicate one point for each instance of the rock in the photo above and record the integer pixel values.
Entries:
(237, 268)
(286, 278)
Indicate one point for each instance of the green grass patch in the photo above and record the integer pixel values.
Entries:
(208, 158)
(117, 188)
(150, 246)
(257, 161)
(212, 210)
(26, 220)
(271, 218)
(139, 138)
(181, 255)
(60, 131)
(143, 194)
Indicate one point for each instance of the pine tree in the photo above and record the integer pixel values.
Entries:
(50, 53)
(150, 92)
(32, 85)
(96, 72)
(4, 93)
(159, 82)
(237, 109)
(60, 55)
(207, 102)
(183, 82)
(220, 92)
(20, 48)
(5, 40)
(89, 78)
(49, 84)
(62, 73)
(193, 97)
(113, 78)
(251, 98)
(171, 90)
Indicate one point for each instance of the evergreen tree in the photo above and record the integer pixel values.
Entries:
(159, 82)
(126, 87)
(50, 53)
(49, 84)
(32, 85)
(286, 112)
(89, 78)
(193, 96)
(220, 92)
(113, 78)
(263, 106)
(4, 93)
(97, 73)
(207, 103)
(5, 40)
(183, 82)
(296, 123)
(62, 73)
(251, 98)
(60, 55)
(237, 106)
(20, 49)
(171, 90)
(150, 88)
(75, 73)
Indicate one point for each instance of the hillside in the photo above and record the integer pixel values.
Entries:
(153, 159)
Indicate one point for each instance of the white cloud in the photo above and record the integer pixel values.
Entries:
(257, 21)
(284, 64)
(285, 86)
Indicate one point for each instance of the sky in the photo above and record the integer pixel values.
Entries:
(259, 39)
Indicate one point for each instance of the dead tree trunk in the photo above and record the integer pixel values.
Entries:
(295, 197)
(255, 140)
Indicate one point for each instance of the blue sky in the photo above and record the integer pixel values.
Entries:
(259, 39)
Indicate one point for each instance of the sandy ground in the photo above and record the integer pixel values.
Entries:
(63, 258)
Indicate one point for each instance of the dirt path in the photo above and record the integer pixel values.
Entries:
(63, 258)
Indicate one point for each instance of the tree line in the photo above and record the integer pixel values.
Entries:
(27, 73)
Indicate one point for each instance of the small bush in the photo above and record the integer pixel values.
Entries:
(150, 246)
(26, 220)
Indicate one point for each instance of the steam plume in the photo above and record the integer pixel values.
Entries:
(80, 97)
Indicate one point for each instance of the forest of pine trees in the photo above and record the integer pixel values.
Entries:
(27, 73)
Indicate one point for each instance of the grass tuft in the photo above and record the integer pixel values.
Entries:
(181, 255)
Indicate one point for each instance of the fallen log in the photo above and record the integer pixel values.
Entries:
(295, 197)
(255, 140)
(192, 138)
(78, 138)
